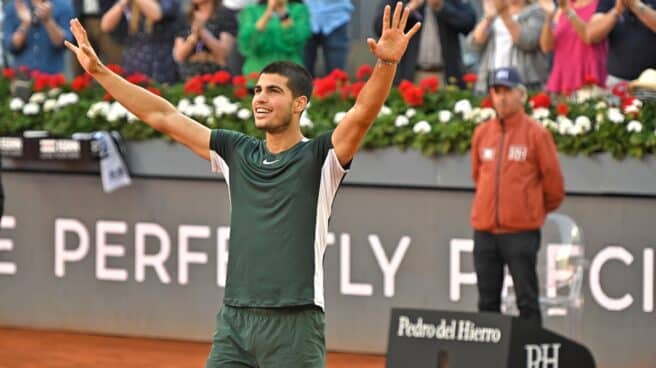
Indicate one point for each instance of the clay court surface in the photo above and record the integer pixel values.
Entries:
(53, 349)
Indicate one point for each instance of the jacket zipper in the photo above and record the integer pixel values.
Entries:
(498, 178)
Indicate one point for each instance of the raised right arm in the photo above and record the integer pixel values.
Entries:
(153, 110)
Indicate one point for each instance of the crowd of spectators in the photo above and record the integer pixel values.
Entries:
(557, 45)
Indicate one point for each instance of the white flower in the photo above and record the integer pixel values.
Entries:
(66, 99)
(385, 110)
(132, 117)
(116, 112)
(244, 114)
(540, 113)
(601, 105)
(225, 107)
(600, 118)
(583, 123)
(221, 100)
(634, 126)
(200, 110)
(401, 121)
(199, 100)
(631, 109)
(549, 124)
(54, 92)
(421, 127)
(50, 105)
(472, 114)
(31, 109)
(38, 97)
(564, 125)
(305, 120)
(16, 104)
(183, 105)
(615, 115)
(98, 109)
(444, 116)
(463, 107)
(485, 114)
(338, 117)
(410, 113)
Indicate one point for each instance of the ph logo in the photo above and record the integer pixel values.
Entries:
(542, 356)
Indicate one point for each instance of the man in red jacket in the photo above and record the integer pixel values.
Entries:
(518, 181)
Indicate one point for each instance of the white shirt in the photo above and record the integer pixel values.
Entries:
(503, 45)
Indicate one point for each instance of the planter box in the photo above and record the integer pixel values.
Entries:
(598, 174)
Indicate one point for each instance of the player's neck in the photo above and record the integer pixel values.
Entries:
(279, 142)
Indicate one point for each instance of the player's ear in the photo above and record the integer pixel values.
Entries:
(299, 104)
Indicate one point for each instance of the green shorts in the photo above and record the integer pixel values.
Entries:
(269, 338)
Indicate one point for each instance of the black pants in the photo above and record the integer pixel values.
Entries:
(517, 250)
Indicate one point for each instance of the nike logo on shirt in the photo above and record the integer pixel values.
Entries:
(267, 162)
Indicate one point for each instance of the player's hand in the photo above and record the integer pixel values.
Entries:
(85, 54)
(393, 40)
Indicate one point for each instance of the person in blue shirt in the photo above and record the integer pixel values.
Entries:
(330, 20)
(35, 31)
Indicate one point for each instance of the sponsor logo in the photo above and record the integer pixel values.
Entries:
(542, 356)
(454, 330)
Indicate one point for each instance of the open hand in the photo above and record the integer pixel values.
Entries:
(23, 12)
(43, 10)
(548, 6)
(85, 54)
(393, 41)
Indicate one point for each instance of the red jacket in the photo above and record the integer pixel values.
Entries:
(517, 188)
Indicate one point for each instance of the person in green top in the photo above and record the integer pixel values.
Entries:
(281, 194)
(272, 30)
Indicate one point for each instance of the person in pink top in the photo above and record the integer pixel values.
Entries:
(577, 61)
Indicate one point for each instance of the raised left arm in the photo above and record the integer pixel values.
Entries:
(389, 49)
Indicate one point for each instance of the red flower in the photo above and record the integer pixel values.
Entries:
(430, 84)
(356, 88)
(590, 80)
(241, 92)
(470, 78)
(40, 83)
(486, 102)
(138, 79)
(220, 77)
(56, 81)
(324, 87)
(339, 75)
(239, 80)
(194, 86)
(364, 71)
(562, 109)
(541, 100)
(108, 97)
(116, 69)
(23, 69)
(413, 96)
(80, 82)
(8, 73)
(405, 85)
(621, 89)
(154, 90)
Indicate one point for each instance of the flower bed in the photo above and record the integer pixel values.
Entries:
(420, 116)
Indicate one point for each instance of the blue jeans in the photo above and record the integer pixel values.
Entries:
(335, 48)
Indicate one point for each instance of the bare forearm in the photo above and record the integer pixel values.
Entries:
(513, 27)
(601, 25)
(580, 26)
(148, 107)
(646, 14)
(261, 23)
(546, 36)
(19, 36)
(55, 33)
(219, 47)
(482, 31)
(371, 100)
(113, 16)
(183, 48)
(150, 9)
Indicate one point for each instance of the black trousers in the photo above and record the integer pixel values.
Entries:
(517, 250)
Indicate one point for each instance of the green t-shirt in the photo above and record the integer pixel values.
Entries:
(280, 206)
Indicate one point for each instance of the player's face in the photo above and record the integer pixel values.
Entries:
(272, 103)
